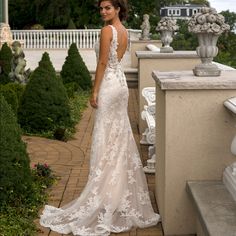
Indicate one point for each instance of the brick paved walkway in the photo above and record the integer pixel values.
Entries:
(70, 161)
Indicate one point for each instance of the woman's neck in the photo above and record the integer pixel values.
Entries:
(114, 21)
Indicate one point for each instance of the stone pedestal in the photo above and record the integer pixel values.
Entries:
(193, 136)
(149, 61)
(140, 45)
(5, 34)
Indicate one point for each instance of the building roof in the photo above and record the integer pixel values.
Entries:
(183, 6)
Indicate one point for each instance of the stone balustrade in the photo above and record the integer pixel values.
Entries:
(62, 39)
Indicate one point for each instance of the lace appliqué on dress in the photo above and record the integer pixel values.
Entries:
(116, 196)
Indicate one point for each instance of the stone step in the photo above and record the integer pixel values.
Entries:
(215, 208)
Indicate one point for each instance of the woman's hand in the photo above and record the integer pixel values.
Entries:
(94, 100)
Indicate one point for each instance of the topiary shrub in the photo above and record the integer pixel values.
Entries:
(45, 104)
(15, 174)
(5, 63)
(10, 96)
(17, 88)
(75, 71)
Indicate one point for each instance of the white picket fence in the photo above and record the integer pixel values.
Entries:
(61, 39)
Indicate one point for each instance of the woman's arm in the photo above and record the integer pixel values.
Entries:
(105, 41)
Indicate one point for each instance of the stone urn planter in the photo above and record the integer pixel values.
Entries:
(208, 26)
(166, 27)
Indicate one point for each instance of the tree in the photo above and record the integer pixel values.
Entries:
(230, 18)
(52, 14)
(44, 105)
(15, 174)
(5, 63)
(75, 71)
(200, 2)
(227, 42)
(21, 13)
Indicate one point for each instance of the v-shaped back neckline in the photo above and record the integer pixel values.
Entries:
(115, 39)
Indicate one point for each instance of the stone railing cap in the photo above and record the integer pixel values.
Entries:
(157, 55)
(185, 80)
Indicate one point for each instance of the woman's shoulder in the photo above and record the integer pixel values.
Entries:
(106, 32)
(106, 29)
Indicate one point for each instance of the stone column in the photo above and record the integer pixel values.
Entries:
(4, 11)
(5, 4)
(1, 11)
(5, 31)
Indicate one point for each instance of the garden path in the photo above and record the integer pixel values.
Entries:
(70, 161)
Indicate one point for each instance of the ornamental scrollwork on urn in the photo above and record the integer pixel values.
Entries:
(208, 25)
(167, 26)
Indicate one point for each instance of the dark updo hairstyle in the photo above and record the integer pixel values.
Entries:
(122, 4)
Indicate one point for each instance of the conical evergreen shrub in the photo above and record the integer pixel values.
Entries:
(15, 174)
(5, 63)
(10, 96)
(44, 104)
(74, 70)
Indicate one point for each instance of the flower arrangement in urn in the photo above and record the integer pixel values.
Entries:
(208, 25)
(166, 26)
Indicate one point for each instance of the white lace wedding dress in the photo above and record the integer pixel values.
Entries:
(116, 196)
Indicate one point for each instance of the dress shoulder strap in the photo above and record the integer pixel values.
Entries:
(114, 33)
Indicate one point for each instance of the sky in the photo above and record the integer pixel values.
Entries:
(223, 5)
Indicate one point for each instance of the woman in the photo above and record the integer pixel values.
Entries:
(116, 197)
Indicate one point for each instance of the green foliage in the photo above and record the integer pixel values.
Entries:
(10, 96)
(200, 2)
(57, 13)
(44, 174)
(77, 104)
(85, 14)
(136, 11)
(227, 50)
(5, 63)
(37, 27)
(20, 220)
(45, 105)
(18, 15)
(17, 88)
(183, 39)
(227, 42)
(71, 25)
(15, 176)
(75, 71)
(12, 93)
(230, 18)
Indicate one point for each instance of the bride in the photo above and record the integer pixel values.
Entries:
(116, 196)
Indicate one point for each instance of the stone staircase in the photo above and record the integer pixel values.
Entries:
(215, 208)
